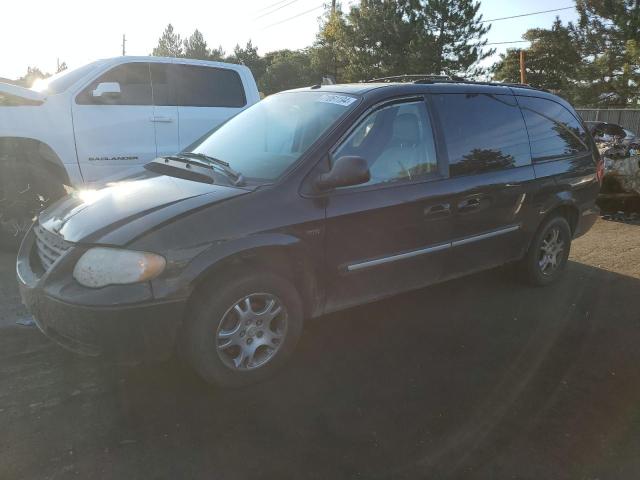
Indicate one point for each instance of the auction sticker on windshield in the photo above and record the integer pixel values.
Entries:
(343, 100)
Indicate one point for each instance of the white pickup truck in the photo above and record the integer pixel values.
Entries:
(86, 124)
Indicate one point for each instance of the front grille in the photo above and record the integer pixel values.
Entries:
(50, 246)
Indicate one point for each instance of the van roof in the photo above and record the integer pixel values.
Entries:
(433, 85)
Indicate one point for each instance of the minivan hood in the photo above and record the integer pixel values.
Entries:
(129, 207)
(22, 92)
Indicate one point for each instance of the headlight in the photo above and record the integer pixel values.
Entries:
(100, 267)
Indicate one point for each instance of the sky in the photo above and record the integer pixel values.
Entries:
(42, 32)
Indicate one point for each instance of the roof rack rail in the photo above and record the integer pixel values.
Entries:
(414, 77)
(429, 78)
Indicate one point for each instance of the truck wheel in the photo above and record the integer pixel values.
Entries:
(22, 197)
(241, 330)
(546, 259)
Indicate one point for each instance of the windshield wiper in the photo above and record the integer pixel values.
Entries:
(224, 166)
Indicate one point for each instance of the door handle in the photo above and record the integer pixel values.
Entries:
(161, 119)
(437, 211)
(469, 205)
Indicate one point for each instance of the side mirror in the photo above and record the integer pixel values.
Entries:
(107, 89)
(346, 172)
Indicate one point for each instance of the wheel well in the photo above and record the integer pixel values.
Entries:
(24, 156)
(569, 212)
(278, 260)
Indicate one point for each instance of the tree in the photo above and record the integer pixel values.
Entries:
(552, 60)
(169, 44)
(451, 37)
(217, 54)
(33, 75)
(62, 66)
(196, 47)
(287, 69)
(329, 52)
(377, 36)
(606, 35)
(249, 56)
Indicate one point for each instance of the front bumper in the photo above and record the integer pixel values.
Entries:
(124, 323)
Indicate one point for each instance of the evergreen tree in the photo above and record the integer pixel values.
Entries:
(196, 47)
(169, 44)
(606, 35)
(329, 52)
(249, 56)
(552, 60)
(217, 54)
(287, 69)
(451, 37)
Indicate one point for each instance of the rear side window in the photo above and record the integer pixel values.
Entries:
(482, 132)
(135, 86)
(553, 130)
(197, 86)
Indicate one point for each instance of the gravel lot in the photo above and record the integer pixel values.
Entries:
(475, 378)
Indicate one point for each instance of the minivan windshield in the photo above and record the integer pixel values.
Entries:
(264, 140)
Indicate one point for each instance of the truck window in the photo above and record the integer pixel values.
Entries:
(198, 86)
(482, 132)
(135, 86)
(164, 90)
(553, 130)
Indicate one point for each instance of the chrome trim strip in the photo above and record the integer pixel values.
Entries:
(400, 256)
(435, 248)
(483, 236)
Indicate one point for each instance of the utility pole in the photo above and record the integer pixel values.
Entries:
(124, 41)
(523, 70)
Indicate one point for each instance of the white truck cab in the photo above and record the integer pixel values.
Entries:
(83, 125)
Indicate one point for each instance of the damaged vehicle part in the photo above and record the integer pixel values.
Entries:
(620, 151)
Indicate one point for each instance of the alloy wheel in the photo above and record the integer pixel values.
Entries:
(551, 249)
(252, 331)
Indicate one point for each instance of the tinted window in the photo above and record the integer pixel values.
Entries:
(207, 87)
(135, 86)
(164, 92)
(397, 142)
(482, 132)
(553, 130)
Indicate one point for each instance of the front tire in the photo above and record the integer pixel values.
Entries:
(241, 330)
(546, 259)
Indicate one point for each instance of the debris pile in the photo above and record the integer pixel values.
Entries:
(621, 155)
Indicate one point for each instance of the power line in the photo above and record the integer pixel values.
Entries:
(295, 16)
(275, 9)
(269, 6)
(504, 43)
(527, 14)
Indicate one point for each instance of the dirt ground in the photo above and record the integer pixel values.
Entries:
(480, 377)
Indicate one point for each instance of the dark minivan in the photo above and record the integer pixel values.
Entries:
(311, 201)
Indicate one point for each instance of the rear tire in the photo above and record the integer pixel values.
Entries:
(232, 343)
(546, 259)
